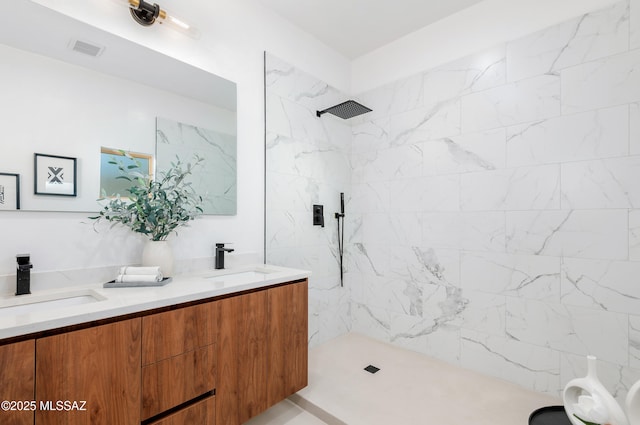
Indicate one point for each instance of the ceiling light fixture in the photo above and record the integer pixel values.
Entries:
(146, 14)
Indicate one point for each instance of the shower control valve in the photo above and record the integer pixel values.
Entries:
(318, 215)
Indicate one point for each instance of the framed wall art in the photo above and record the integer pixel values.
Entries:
(9, 191)
(55, 175)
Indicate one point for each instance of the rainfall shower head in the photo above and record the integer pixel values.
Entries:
(345, 110)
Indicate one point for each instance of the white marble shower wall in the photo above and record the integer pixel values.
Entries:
(497, 203)
(307, 163)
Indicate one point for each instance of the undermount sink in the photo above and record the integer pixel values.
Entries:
(25, 304)
(239, 277)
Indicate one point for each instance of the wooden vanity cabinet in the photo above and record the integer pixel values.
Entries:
(178, 360)
(262, 351)
(222, 361)
(100, 366)
(17, 380)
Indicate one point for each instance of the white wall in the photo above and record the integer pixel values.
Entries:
(234, 36)
(479, 27)
(498, 206)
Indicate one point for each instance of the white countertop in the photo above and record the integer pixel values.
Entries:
(115, 302)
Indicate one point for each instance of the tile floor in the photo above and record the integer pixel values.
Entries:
(286, 413)
(410, 388)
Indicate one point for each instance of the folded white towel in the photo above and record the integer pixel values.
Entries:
(138, 278)
(141, 270)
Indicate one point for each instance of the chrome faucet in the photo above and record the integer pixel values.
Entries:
(23, 274)
(220, 250)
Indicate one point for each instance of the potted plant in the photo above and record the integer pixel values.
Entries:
(154, 207)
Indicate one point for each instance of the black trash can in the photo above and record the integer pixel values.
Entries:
(549, 415)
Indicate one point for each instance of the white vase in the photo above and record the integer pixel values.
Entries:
(591, 386)
(158, 253)
(633, 404)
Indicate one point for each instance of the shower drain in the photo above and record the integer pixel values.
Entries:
(371, 369)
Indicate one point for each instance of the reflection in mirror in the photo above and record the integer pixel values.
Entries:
(65, 103)
(110, 161)
(55, 175)
(216, 183)
(9, 191)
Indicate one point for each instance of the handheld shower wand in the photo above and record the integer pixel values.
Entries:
(339, 216)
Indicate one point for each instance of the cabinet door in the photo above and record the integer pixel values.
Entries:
(288, 340)
(17, 364)
(99, 365)
(242, 358)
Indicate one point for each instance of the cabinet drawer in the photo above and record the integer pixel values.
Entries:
(172, 333)
(201, 413)
(174, 381)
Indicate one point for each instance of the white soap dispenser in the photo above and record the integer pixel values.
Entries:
(590, 400)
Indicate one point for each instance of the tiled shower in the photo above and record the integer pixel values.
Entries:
(493, 204)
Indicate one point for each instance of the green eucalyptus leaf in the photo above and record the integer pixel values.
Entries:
(155, 207)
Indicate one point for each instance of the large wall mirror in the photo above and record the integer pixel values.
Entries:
(70, 90)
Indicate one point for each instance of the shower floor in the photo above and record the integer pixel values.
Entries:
(410, 388)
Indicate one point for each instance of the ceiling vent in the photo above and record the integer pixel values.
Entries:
(86, 48)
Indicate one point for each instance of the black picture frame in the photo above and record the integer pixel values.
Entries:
(9, 191)
(55, 175)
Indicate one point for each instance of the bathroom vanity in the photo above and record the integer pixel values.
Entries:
(205, 349)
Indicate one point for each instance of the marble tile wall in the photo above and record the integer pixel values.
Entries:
(307, 163)
(493, 214)
(495, 202)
